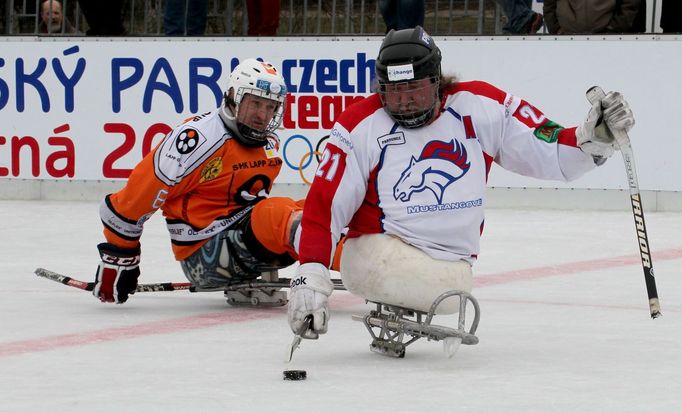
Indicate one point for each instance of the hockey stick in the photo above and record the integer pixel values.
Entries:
(89, 286)
(173, 286)
(298, 337)
(596, 94)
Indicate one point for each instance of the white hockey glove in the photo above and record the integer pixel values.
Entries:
(308, 297)
(594, 135)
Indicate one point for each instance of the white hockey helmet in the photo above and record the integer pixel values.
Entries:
(260, 79)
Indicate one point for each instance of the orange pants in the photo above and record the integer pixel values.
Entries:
(274, 221)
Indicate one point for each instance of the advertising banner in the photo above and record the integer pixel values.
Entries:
(90, 109)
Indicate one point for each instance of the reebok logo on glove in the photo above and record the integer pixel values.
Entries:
(298, 282)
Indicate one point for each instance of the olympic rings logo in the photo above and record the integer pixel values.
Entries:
(307, 157)
(304, 158)
(285, 152)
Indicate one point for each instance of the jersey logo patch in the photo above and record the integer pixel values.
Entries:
(272, 147)
(181, 153)
(397, 138)
(212, 169)
(548, 131)
(256, 187)
(186, 141)
(439, 165)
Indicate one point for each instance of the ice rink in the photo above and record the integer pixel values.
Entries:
(565, 327)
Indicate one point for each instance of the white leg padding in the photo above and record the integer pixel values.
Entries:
(384, 269)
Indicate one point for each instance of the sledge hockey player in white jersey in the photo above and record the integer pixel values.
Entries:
(405, 170)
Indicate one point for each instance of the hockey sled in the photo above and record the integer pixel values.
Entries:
(394, 328)
(258, 296)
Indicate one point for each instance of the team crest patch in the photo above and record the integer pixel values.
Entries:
(548, 131)
(187, 141)
(212, 169)
(439, 165)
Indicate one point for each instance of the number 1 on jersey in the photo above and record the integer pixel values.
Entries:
(328, 170)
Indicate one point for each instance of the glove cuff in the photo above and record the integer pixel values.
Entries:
(313, 276)
(111, 254)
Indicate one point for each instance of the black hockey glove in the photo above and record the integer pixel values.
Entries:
(117, 274)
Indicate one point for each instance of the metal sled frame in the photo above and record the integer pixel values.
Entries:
(394, 325)
(266, 295)
(263, 292)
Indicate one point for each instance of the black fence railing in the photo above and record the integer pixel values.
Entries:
(296, 17)
(229, 17)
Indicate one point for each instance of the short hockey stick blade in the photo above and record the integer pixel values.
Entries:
(71, 282)
(298, 337)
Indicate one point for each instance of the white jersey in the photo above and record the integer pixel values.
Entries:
(427, 185)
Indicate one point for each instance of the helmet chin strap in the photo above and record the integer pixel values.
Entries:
(226, 113)
(416, 119)
(245, 130)
(413, 120)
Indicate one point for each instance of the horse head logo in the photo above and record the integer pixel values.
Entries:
(439, 165)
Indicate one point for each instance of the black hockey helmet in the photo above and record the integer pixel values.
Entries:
(408, 46)
(405, 58)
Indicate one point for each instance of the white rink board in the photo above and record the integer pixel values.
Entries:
(552, 73)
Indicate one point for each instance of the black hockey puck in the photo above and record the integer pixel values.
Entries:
(294, 374)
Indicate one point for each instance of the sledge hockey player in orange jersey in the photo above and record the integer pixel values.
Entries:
(210, 177)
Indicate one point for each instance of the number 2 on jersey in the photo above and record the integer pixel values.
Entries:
(328, 165)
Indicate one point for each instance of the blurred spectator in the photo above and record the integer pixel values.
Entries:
(104, 17)
(185, 17)
(3, 12)
(591, 16)
(52, 19)
(639, 24)
(263, 17)
(671, 16)
(402, 14)
(521, 19)
(22, 18)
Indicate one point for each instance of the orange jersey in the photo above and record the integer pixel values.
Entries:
(200, 177)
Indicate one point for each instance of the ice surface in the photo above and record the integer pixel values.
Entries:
(565, 327)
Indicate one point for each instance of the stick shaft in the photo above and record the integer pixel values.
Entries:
(173, 286)
(640, 228)
(596, 94)
(89, 286)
